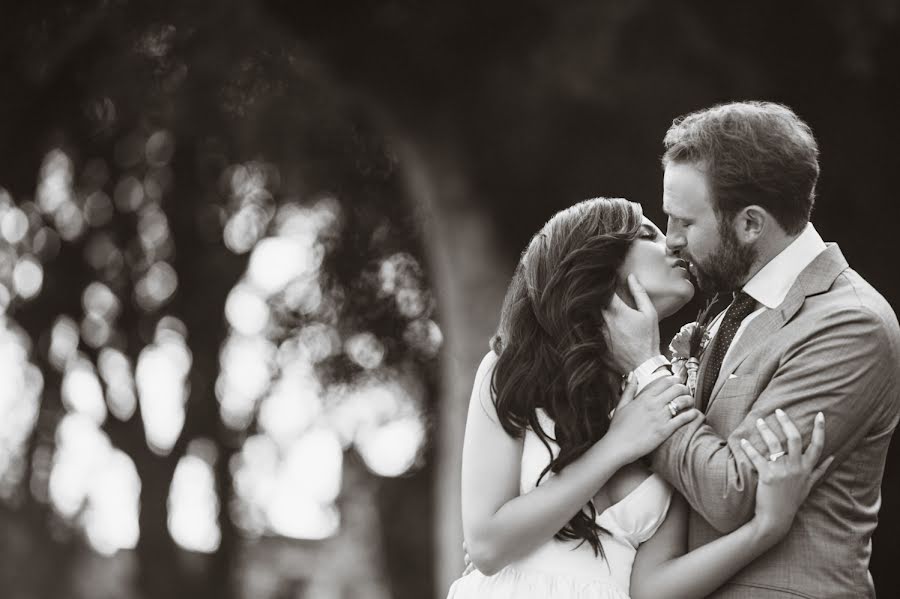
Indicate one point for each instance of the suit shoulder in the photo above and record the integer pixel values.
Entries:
(852, 299)
(857, 293)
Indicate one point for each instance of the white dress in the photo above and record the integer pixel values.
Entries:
(563, 569)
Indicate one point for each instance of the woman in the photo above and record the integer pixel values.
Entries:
(556, 502)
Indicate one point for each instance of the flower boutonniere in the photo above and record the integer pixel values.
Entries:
(688, 345)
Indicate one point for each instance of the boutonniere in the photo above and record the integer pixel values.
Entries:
(688, 345)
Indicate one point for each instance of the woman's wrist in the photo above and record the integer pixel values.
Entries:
(617, 453)
(767, 532)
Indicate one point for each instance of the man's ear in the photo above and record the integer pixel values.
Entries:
(751, 223)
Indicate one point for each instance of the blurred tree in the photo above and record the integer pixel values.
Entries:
(211, 259)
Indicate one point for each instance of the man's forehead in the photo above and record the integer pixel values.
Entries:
(684, 191)
(673, 206)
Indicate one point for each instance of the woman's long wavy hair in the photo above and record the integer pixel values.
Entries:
(552, 351)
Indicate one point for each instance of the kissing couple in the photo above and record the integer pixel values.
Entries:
(595, 467)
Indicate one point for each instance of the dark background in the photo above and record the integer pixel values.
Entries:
(450, 132)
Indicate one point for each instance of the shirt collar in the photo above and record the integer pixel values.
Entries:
(771, 284)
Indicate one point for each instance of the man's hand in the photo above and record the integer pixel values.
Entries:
(632, 335)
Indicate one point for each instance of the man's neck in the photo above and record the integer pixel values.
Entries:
(768, 248)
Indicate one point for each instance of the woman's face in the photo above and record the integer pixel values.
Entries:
(664, 276)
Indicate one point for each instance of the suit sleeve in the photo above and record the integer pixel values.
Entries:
(844, 368)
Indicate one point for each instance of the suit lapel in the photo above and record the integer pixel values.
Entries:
(758, 330)
(815, 278)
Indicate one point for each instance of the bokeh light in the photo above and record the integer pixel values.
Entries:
(380, 415)
(63, 342)
(95, 482)
(156, 287)
(161, 379)
(365, 349)
(276, 261)
(425, 336)
(246, 368)
(246, 311)
(294, 495)
(20, 394)
(110, 518)
(98, 209)
(28, 277)
(129, 194)
(159, 148)
(116, 370)
(55, 182)
(81, 390)
(13, 225)
(193, 506)
(99, 300)
(293, 405)
(391, 449)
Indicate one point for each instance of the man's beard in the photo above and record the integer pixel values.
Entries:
(727, 267)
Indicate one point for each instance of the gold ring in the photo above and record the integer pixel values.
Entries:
(673, 408)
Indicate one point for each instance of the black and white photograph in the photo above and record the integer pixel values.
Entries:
(395, 299)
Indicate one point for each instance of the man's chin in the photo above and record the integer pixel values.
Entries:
(703, 283)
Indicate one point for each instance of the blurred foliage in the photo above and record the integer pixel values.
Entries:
(192, 152)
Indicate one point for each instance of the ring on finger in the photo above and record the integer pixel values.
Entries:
(673, 408)
(774, 457)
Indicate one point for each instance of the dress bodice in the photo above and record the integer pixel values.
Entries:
(629, 522)
(569, 569)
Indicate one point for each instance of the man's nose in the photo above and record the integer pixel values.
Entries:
(674, 242)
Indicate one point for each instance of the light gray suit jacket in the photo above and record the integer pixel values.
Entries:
(833, 345)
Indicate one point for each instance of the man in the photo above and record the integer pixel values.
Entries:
(804, 334)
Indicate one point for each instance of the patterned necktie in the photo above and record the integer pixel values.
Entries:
(739, 309)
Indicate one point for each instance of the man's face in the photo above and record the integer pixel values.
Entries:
(718, 259)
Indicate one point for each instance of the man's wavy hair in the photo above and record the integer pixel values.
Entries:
(552, 351)
(758, 153)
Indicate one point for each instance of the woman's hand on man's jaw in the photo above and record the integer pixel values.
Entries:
(632, 334)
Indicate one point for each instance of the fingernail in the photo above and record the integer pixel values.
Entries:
(760, 422)
(820, 417)
(780, 412)
(743, 441)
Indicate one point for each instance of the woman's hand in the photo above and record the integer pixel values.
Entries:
(786, 476)
(638, 426)
(632, 333)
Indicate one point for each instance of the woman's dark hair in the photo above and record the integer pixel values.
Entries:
(552, 351)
